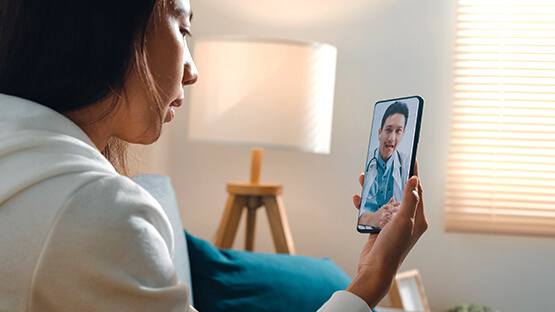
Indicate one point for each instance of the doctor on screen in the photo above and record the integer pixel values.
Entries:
(386, 172)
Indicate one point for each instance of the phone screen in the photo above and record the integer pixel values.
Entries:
(390, 161)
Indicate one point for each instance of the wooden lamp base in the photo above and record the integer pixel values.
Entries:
(252, 196)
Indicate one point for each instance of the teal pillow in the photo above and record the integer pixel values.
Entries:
(235, 280)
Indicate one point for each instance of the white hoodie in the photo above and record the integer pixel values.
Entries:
(74, 234)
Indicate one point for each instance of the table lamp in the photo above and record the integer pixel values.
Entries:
(261, 93)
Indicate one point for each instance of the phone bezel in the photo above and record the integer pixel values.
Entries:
(372, 229)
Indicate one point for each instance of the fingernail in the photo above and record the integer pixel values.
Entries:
(413, 182)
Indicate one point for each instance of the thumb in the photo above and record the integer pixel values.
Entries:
(410, 199)
(391, 200)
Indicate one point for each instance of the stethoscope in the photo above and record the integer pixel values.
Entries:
(374, 160)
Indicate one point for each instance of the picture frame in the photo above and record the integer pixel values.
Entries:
(407, 292)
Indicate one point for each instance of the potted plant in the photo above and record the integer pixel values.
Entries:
(471, 308)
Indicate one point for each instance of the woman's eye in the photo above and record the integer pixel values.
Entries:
(185, 32)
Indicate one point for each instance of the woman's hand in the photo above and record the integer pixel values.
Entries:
(383, 253)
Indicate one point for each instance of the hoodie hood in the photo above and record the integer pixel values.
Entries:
(33, 141)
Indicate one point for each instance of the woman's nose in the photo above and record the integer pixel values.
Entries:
(190, 73)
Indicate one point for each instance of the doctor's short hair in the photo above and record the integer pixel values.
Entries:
(396, 108)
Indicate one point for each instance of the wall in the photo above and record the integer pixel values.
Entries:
(386, 49)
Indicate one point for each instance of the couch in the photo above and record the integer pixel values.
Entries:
(235, 280)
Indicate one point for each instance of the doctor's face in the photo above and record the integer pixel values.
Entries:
(391, 135)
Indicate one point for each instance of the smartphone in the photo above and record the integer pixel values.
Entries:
(390, 160)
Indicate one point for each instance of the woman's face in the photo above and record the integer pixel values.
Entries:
(172, 68)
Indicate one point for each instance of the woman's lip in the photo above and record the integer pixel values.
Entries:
(177, 103)
(170, 115)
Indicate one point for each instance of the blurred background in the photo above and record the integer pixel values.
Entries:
(385, 49)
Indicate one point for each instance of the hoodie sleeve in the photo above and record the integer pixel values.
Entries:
(344, 301)
(110, 249)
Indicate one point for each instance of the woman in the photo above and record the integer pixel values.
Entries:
(78, 79)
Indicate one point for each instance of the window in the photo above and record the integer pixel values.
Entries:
(501, 169)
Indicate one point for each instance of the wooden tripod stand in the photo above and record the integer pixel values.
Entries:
(252, 196)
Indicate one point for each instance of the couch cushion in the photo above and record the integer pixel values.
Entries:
(161, 189)
(236, 280)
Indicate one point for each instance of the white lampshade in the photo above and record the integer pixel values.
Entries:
(263, 93)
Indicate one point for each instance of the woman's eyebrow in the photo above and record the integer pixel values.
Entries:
(182, 11)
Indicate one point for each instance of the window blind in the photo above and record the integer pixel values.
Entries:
(501, 167)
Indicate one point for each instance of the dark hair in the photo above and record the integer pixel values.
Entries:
(69, 54)
(396, 108)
